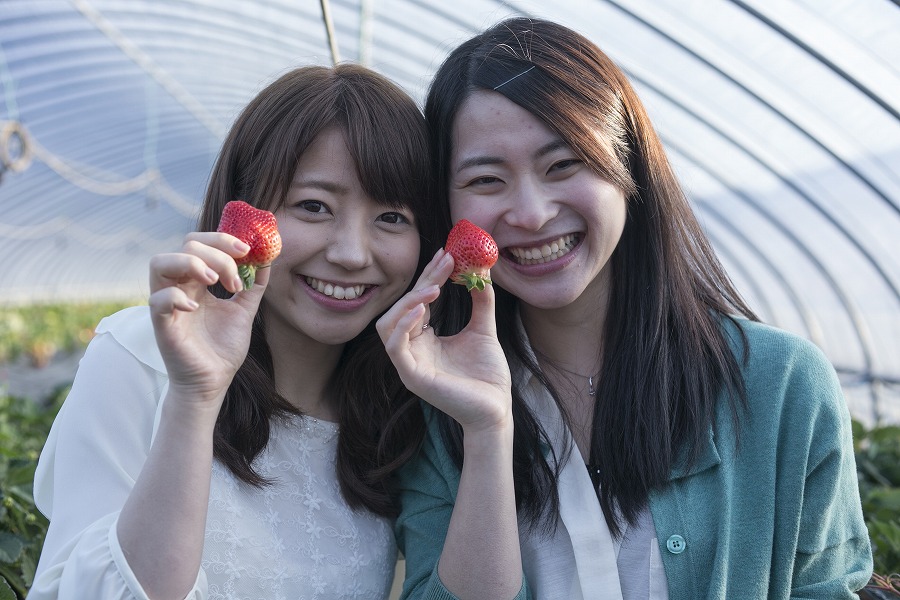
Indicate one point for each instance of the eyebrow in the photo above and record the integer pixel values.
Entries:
(321, 184)
(478, 161)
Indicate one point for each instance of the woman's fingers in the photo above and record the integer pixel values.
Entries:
(167, 270)
(205, 258)
(218, 251)
(425, 291)
(397, 344)
(251, 298)
(437, 271)
(225, 242)
(391, 320)
(166, 301)
(483, 318)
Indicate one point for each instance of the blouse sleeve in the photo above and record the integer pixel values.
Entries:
(427, 489)
(93, 455)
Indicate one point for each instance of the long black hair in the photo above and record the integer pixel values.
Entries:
(385, 133)
(666, 358)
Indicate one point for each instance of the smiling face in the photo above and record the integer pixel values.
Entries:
(345, 258)
(555, 220)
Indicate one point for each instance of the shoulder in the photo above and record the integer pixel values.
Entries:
(775, 354)
(132, 330)
(788, 379)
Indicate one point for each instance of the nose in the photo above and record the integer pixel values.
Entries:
(350, 247)
(531, 206)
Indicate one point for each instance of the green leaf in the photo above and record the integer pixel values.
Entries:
(888, 435)
(11, 547)
(6, 592)
(21, 472)
(859, 432)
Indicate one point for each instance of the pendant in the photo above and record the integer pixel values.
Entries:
(591, 391)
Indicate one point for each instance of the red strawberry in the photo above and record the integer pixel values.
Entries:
(254, 227)
(474, 252)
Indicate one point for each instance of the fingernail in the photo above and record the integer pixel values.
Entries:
(193, 304)
(241, 246)
(431, 289)
(211, 275)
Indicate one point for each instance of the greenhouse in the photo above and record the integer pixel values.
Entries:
(782, 119)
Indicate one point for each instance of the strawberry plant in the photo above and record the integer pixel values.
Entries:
(38, 332)
(878, 469)
(24, 425)
(882, 588)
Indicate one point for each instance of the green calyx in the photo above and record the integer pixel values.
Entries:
(472, 281)
(247, 274)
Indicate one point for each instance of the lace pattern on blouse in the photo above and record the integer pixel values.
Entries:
(296, 538)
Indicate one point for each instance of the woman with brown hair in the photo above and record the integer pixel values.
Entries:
(651, 438)
(223, 443)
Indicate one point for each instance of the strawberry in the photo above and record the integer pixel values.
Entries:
(254, 227)
(474, 252)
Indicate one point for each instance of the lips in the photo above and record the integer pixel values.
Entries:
(338, 292)
(544, 253)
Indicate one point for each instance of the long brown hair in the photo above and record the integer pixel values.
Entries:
(666, 358)
(385, 134)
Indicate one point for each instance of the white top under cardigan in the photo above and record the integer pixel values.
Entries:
(582, 561)
(296, 539)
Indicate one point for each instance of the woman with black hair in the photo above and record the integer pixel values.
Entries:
(651, 438)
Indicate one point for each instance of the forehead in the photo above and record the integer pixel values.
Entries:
(488, 123)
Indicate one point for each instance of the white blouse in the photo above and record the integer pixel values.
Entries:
(581, 560)
(295, 539)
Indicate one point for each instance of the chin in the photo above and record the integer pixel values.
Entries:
(336, 338)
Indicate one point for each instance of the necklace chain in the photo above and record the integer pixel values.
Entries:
(592, 391)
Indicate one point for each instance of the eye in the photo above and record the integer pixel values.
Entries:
(562, 165)
(393, 218)
(313, 206)
(486, 180)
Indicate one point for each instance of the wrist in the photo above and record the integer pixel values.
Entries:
(489, 436)
(193, 410)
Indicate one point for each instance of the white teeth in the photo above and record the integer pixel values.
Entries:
(545, 253)
(336, 291)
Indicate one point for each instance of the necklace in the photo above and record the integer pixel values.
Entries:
(592, 391)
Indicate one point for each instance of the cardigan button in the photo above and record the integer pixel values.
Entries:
(676, 544)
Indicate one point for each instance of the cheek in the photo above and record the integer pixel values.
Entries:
(471, 209)
(403, 260)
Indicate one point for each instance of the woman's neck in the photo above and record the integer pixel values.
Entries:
(570, 336)
(568, 344)
(303, 371)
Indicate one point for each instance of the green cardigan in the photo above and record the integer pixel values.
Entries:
(771, 513)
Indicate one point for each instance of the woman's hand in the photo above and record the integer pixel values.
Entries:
(465, 375)
(203, 339)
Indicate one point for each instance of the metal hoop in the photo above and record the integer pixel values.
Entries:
(8, 131)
